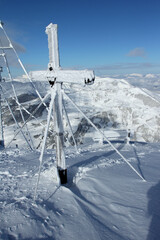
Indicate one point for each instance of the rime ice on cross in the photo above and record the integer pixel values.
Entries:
(55, 71)
(56, 76)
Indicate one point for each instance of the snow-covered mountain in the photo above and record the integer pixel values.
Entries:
(114, 105)
(104, 198)
(128, 107)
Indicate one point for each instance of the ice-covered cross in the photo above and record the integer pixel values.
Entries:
(56, 73)
(56, 77)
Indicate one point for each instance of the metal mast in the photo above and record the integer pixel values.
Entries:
(54, 64)
(1, 124)
(56, 77)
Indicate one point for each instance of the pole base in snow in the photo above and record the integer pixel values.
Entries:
(2, 143)
(63, 175)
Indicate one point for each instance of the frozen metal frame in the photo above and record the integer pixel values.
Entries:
(56, 77)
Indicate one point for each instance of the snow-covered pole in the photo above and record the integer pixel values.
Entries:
(69, 124)
(15, 94)
(54, 64)
(51, 31)
(1, 125)
(45, 139)
(58, 124)
(56, 77)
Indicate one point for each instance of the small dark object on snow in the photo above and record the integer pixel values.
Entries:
(63, 175)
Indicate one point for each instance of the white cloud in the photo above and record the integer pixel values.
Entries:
(134, 65)
(4, 43)
(137, 52)
(126, 68)
(19, 48)
(10, 55)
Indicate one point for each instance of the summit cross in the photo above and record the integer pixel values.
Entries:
(56, 77)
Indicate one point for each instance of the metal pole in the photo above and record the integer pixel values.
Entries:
(1, 124)
(69, 124)
(54, 64)
(45, 139)
(22, 66)
(15, 94)
(58, 124)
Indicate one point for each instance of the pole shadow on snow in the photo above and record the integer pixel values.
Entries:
(100, 225)
(73, 170)
(138, 160)
(154, 212)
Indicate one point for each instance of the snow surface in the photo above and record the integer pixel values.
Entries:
(104, 198)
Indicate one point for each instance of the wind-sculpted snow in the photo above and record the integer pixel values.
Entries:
(103, 198)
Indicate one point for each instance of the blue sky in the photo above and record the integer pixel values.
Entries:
(109, 36)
